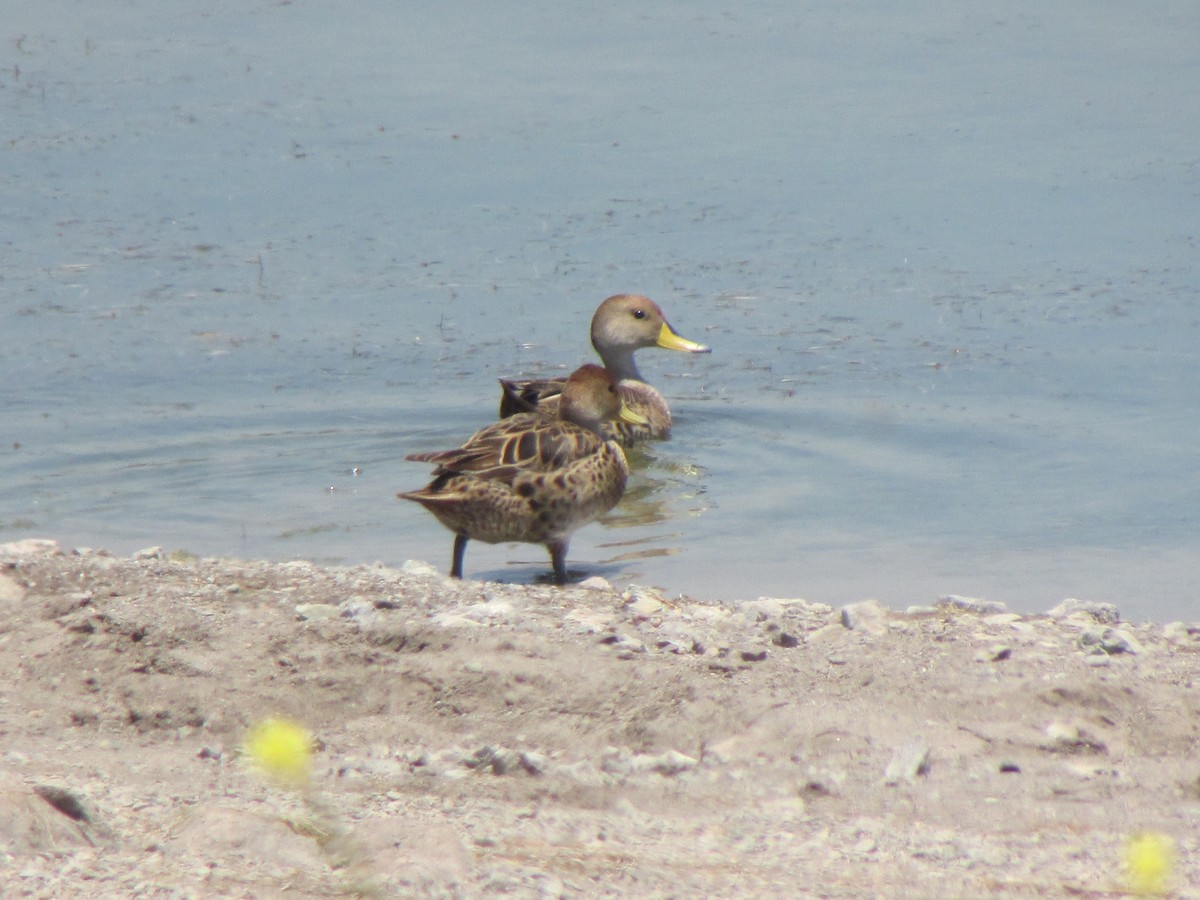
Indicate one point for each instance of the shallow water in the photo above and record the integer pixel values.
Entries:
(946, 261)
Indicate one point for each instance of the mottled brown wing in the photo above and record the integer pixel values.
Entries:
(527, 442)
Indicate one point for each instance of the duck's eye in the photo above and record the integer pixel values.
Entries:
(639, 314)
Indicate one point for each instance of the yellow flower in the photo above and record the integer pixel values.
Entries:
(1148, 861)
(281, 748)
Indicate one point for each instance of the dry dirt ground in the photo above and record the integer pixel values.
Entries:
(475, 739)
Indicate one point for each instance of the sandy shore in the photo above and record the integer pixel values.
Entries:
(477, 739)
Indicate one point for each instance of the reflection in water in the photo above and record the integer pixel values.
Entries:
(644, 553)
(661, 492)
(650, 499)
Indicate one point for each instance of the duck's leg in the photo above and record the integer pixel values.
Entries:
(558, 557)
(460, 550)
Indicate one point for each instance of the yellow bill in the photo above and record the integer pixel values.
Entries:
(669, 340)
(633, 418)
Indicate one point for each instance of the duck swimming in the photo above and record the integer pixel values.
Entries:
(532, 477)
(622, 325)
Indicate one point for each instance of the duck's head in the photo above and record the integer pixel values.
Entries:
(628, 322)
(590, 398)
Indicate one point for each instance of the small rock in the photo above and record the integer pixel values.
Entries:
(753, 655)
(1070, 737)
(29, 547)
(1118, 640)
(149, 553)
(908, 762)
(1105, 613)
(354, 608)
(869, 616)
(316, 612)
(533, 763)
(504, 761)
(595, 583)
(644, 602)
(616, 761)
(1110, 641)
(996, 653)
(816, 787)
(866, 844)
(498, 760)
(672, 762)
(417, 567)
(785, 639)
(624, 645)
(1091, 637)
(417, 758)
(971, 604)
(1180, 632)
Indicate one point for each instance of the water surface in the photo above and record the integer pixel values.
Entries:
(945, 256)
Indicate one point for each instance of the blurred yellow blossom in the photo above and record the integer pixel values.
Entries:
(281, 748)
(1148, 861)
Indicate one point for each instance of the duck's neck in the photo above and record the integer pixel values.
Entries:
(619, 361)
(579, 414)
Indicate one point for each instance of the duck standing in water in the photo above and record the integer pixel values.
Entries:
(533, 478)
(622, 325)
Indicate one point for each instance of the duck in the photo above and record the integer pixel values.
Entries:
(531, 477)
(622, 324)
